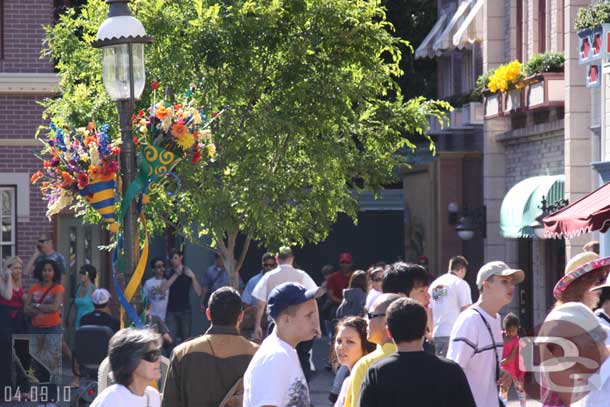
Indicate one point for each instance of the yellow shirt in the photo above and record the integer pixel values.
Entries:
(359, 371)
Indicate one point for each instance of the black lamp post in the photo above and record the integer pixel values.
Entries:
(121, 38)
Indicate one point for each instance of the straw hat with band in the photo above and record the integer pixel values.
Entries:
(577, 267)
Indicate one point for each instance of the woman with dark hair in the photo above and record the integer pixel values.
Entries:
(134, 361)
(45, 299)
(350, 346)
(354, 296)
(83, 302)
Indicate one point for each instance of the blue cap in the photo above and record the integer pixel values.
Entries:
(287, 294)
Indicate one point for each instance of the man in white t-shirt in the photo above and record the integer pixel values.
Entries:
(156, 289)
(476, 339)
(284, 273)
(294, 311)
(450, 296)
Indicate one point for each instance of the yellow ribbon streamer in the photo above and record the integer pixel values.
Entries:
(136, 278)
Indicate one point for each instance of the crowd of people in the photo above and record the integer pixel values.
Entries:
(399, 336)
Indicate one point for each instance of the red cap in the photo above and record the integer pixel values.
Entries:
(345, 257)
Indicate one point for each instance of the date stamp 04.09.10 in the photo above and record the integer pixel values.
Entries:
(37, 394)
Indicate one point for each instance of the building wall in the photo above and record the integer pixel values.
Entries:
(578, 171)
(20, 115)
(529, 156)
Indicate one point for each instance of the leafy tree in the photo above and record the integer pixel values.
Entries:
(314, 109)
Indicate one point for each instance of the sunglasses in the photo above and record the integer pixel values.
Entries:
(268, 265)
(371, 315)
(42, 240)
(152, 356)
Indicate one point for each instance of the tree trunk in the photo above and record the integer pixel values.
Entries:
(226, 250)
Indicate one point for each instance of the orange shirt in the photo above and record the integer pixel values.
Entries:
(46, 320)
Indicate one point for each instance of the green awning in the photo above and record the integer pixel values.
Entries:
(520, 206)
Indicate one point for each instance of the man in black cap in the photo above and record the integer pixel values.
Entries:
(294, 311)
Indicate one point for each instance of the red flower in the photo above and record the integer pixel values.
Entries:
(46, 164)
(196, 156)
(110, 167)
(154, 85)
(82, 180)
(136, 141)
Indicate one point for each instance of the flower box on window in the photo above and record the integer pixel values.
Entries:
(545, 90)
(513, 101)
(493, 105)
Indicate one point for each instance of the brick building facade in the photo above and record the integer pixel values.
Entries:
(25, 79)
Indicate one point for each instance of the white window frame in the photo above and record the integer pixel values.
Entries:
(13, 217)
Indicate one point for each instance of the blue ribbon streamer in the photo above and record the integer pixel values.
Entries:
(129, 309)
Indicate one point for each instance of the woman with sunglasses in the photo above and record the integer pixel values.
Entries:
(134, 361)
(375, 277)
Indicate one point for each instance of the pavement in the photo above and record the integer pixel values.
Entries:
(319, 386)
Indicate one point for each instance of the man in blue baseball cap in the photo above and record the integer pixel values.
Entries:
(294, 311)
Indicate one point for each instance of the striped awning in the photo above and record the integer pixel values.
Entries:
(425, 48)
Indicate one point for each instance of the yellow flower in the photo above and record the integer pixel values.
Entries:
(211, 150)
(185, 141)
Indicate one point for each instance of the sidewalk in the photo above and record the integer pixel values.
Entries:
(321, 383)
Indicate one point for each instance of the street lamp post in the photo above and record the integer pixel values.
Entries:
(121, 38)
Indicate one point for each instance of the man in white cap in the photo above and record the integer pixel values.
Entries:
(101, 315)
(476, 338)
(578, 342)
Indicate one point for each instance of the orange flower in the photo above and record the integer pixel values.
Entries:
(94, 171)
(196, 135)
(36, 176)
(90, 139)
(178, 130)
(46, 164)
(68, 179)
(161, 113)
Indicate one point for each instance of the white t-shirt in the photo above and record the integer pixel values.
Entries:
(449, 294)
(274, 377)
(156, 297)
(284, 273)
(371, 297)
(343, 393)
(472, 348)
(118, 395)
(603, 321)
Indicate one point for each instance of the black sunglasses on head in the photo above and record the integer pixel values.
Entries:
(152, 356)
(371, 315)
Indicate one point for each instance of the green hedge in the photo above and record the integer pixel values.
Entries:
(547, 62)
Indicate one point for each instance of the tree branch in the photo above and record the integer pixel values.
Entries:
(189, 238)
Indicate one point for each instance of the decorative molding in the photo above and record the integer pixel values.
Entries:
(29, 83)
(20, 142)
